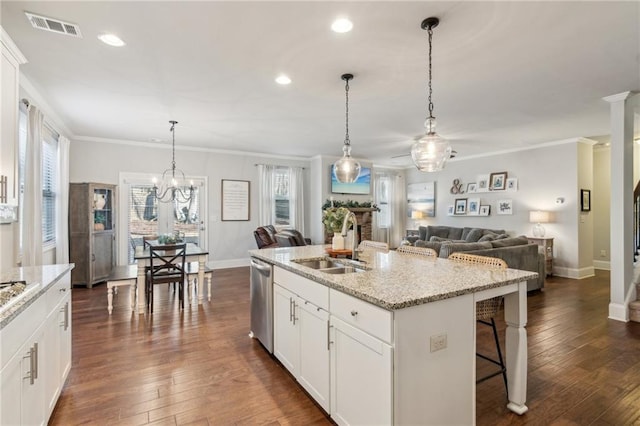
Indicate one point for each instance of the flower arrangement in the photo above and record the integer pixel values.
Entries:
(331, 203)
(174, 238)
(333, 218)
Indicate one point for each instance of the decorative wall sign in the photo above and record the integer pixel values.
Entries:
(421, 200)
(504, 207)
(235, 200)
(456, 187)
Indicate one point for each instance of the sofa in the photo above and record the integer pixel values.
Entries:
(268, 237)
(265, 236)
(291, 238)
(516, 251)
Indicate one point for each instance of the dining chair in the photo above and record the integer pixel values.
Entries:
(373, 245)
(166, 265)
(417, 251)
(486, 310)
(192, 270)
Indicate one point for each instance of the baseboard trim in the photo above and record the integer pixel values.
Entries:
(576, 274)
(604, 265)
(618, 312)
(231, 263)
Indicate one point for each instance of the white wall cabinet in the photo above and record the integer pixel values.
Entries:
(32, 377)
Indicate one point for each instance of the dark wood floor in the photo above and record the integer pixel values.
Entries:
(200, 366)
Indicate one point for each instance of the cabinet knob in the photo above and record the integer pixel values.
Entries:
(354, 313)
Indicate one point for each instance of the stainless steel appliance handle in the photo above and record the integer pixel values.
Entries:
(265, 270)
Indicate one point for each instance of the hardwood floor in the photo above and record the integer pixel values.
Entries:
(200, 367)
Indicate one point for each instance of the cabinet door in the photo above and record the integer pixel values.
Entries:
(64, 328)
(9, 127)
(50, 367)
(286, 340)
(361, 377)
(10, 396)
(103, 255)
(314, 351)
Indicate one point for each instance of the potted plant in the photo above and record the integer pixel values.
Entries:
(333, 219)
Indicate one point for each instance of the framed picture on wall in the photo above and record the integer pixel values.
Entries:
(482, 183)
(512, 184)
(235, 200)
(504, 207)
(461, 206)
(585, 200)
(473, 206)
(485, 210)
(497, 181)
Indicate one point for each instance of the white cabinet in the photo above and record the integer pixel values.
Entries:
(301, 332)
(9, 72)
(361, 375)
(32, 377)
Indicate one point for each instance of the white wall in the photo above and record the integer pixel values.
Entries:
(585, 218)
(601, 206)
(228, 241)
(544, 174)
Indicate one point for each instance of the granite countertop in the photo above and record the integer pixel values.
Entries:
(395, 281)
(38, 279)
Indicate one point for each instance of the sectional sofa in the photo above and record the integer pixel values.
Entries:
(516, 251)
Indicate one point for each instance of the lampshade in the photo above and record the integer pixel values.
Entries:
(346, 169)
(538, 217)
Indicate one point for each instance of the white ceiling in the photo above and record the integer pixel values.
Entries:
(506, 74)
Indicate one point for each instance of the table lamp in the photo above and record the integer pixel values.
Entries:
(539, 217)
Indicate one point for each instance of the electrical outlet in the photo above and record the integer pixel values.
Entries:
(438, 342)
(603, 253)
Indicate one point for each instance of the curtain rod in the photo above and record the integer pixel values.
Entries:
(277, 165)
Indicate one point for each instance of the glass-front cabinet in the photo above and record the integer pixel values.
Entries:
(92, 225)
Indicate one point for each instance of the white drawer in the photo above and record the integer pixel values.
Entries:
(363, 315)
(57, 291)
(314, 292)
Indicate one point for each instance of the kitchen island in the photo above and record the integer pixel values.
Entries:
(35, 343)
(394, 341)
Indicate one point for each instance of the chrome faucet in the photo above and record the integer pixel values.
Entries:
(345, 227)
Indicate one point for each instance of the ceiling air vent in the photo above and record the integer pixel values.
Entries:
(53, 25)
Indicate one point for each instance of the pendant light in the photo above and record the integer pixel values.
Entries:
(430, 152)
(346, 169)
(173, 188)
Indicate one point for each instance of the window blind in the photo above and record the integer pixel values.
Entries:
(49, 178)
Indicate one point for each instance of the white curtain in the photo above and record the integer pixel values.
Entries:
(62, 199)
(266, 206)
(296, 198)
(32, 224)
(389, 188)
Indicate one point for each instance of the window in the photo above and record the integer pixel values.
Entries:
(49, 179)
(281, 179)
(22, 154)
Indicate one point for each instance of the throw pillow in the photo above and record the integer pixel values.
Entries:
(429, 244)
(474, 235)
(442, 239)
(487, 237)
(438, 231)
(447, 248)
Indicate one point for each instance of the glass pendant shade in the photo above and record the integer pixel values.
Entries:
(430, 152)
(346, 169)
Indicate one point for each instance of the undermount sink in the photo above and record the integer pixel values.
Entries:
(320, 264)
(342, 270)
(329, 266)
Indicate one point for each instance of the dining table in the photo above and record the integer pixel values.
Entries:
(193, 253)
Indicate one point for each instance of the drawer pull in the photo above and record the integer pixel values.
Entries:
(354, 313)
(62, 290)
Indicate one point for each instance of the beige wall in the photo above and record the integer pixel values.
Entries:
(601, 205)
(585, 218)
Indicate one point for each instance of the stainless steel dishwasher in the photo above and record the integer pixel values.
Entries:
(262, 303)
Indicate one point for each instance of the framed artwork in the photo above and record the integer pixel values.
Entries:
(471, 187)
(473, 206)
(485, 210)
(504, 207)
(482, 184)
(497, 181)
(235, 200)
(585, 200)
(512, 184)
(461, 206)
(421, 200)
(450, 210)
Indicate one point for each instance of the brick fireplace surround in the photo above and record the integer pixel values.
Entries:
(363, 217)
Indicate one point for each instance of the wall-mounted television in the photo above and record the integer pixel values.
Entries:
(362, 186)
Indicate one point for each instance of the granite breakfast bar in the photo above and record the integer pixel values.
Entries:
(394, 342)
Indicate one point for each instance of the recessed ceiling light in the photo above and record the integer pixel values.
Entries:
(283, 79)
(342, 25)
(111, 40)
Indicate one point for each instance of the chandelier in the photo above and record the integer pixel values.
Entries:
(346, 169)
(173, 188)
(430, 152)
